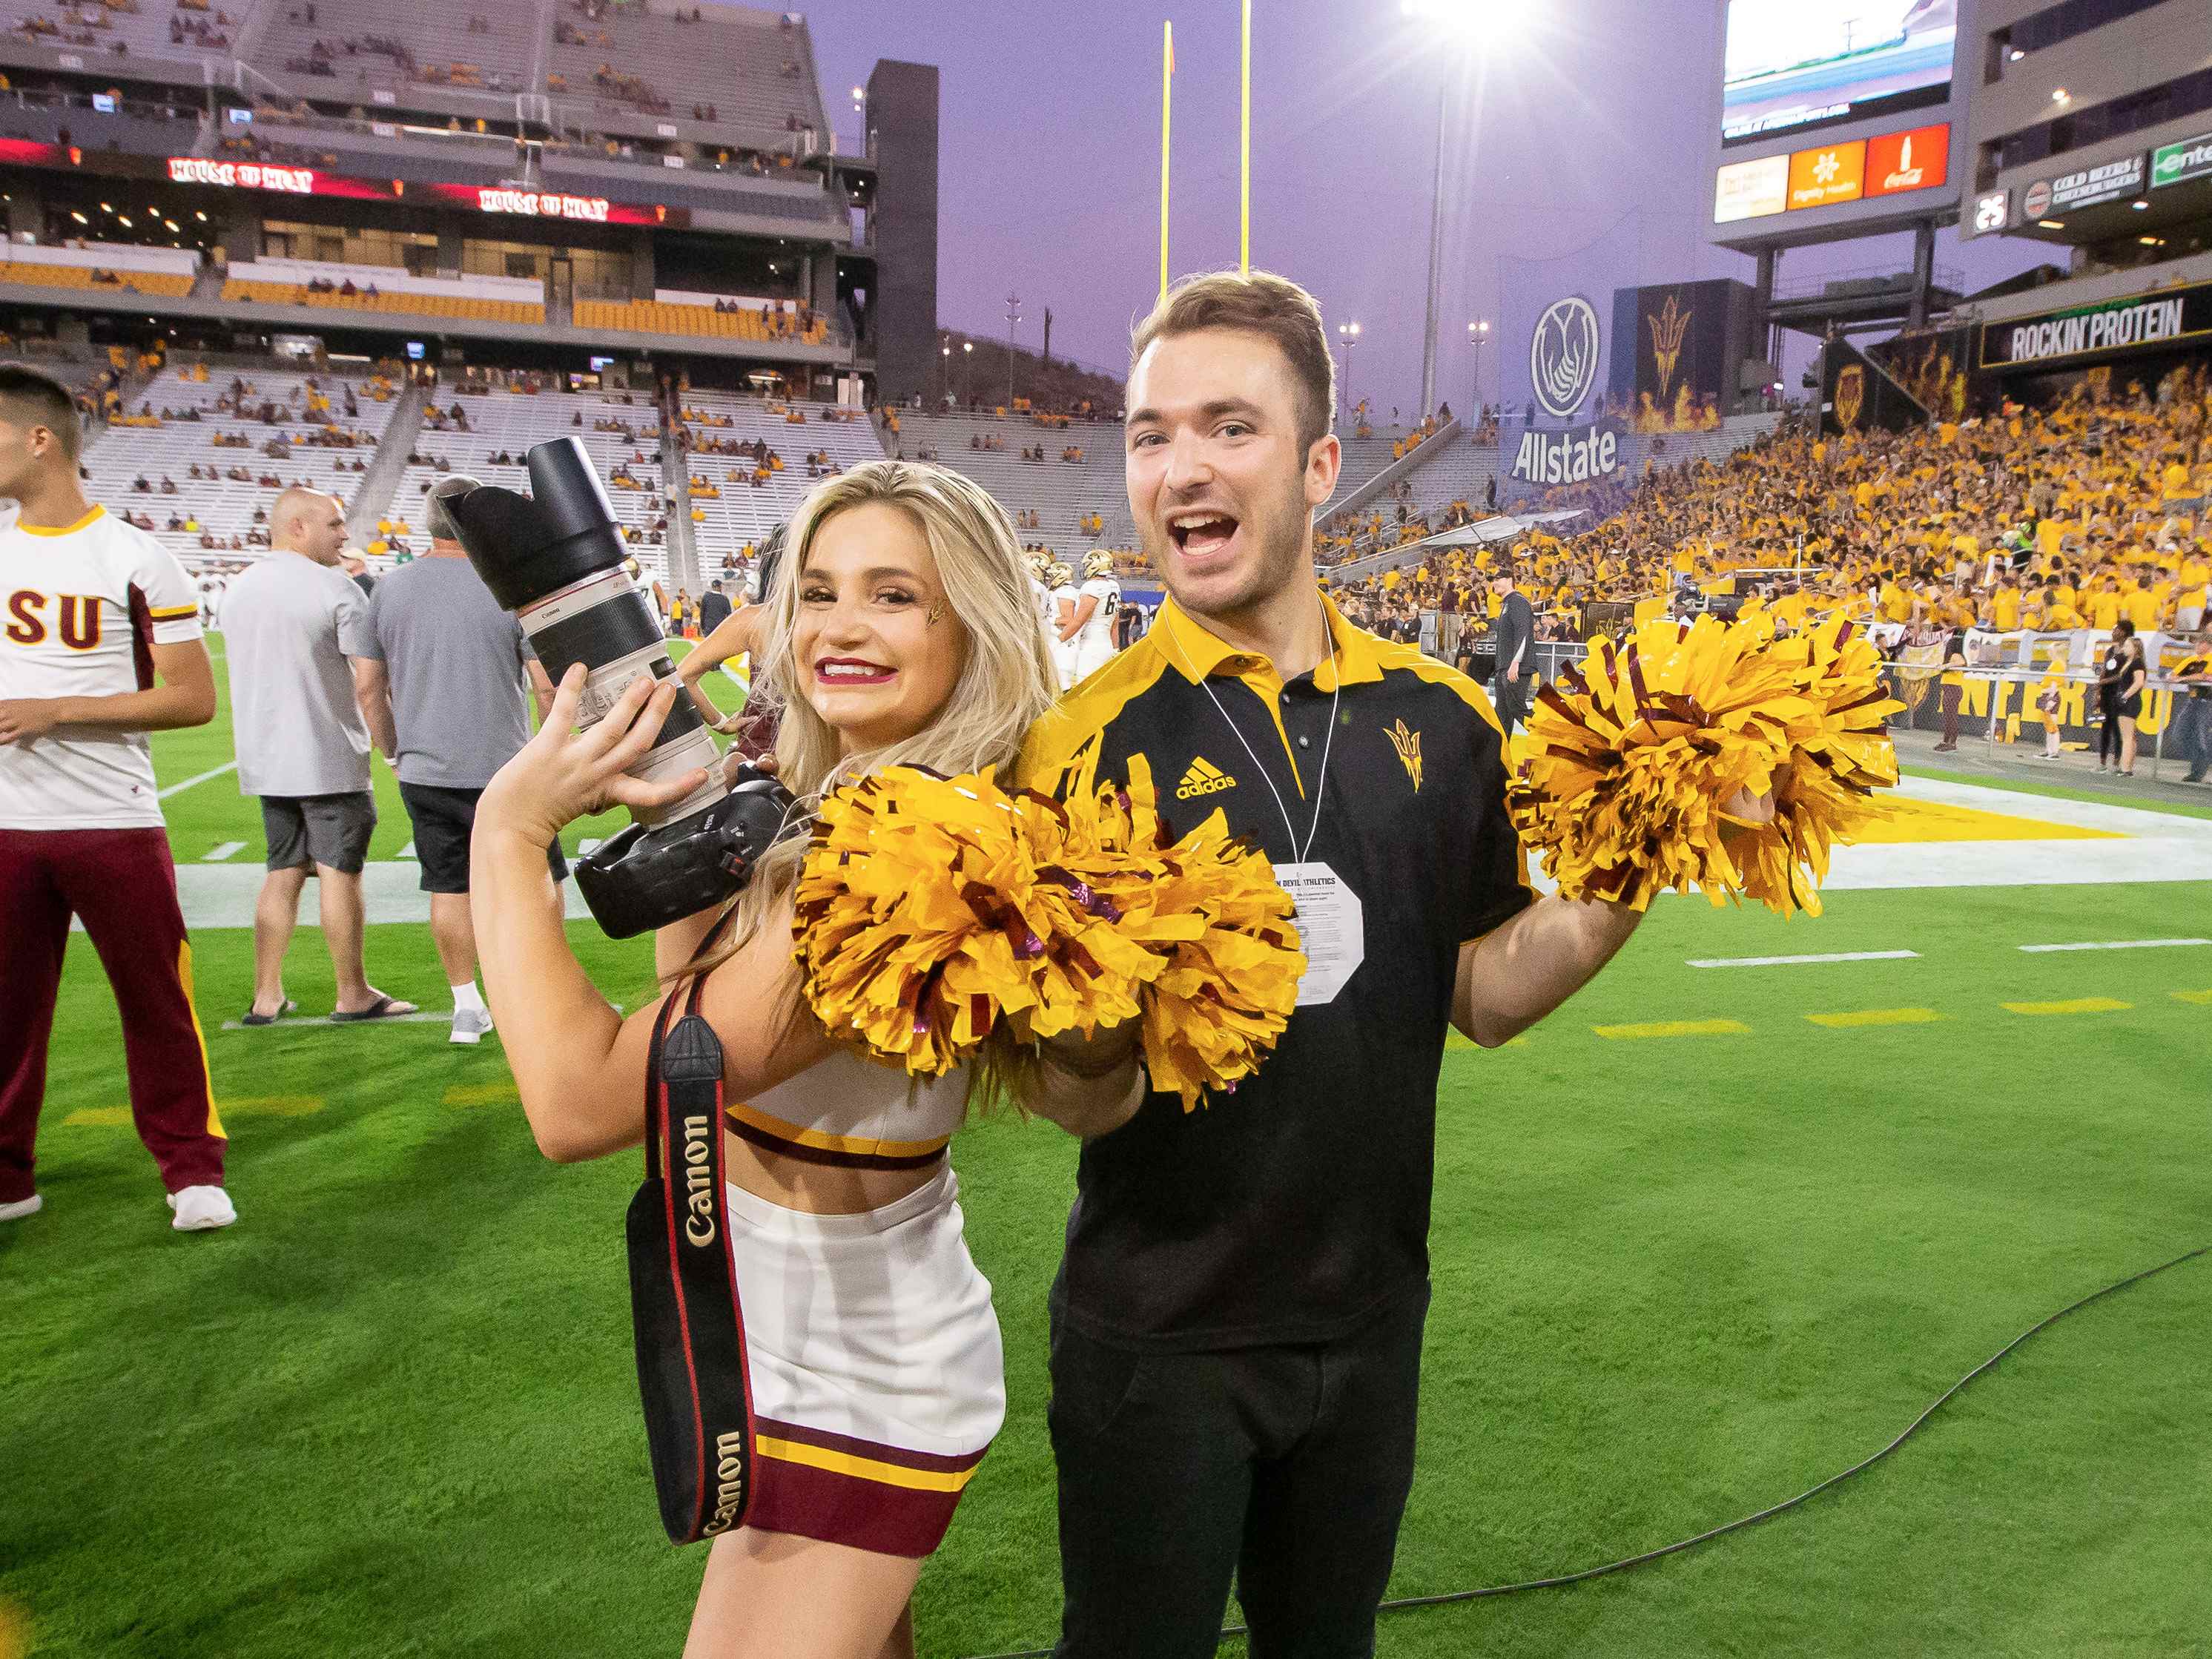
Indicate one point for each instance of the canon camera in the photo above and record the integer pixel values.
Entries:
(555, 558)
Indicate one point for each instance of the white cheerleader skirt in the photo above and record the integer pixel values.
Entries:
(878, 1378)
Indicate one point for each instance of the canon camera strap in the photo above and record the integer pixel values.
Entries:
(689, 1325)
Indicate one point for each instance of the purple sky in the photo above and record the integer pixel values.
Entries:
(1049, 164)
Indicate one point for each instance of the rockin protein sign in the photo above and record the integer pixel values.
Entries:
(2150, 319)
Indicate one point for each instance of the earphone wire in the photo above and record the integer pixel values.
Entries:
(1321, 778)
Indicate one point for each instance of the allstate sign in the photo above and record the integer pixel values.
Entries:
(1563, 356)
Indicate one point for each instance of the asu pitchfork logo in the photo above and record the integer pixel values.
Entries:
(1669, 324)
(1408, 745)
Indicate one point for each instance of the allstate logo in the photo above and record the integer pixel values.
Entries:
(1563, 356)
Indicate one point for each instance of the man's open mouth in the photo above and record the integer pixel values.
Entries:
(1198, 532)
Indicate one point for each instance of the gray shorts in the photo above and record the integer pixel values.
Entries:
(331, 830)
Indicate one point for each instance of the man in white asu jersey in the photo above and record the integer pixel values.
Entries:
(100, 644)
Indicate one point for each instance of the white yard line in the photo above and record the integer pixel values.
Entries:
(216, 854)
(179, 788)
(1787, 962)
(2117, 945)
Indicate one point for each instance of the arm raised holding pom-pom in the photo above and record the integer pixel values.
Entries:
(1091, 1086)
(1521, 971)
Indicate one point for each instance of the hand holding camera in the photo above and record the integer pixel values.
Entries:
(562, 774)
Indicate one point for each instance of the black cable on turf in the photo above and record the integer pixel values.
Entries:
(1404, 1603)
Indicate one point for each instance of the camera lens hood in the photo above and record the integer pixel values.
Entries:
(525, 547)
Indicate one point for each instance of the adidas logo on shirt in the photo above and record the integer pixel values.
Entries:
(1204, 778)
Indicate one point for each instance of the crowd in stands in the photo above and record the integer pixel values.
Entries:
(2081, 514)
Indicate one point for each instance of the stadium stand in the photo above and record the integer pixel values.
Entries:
(327, 425)
(388, 290)
(2057, 519)
(507, 422)
(94, 265)
(1061, 493)
(744, 320)
(746, 72)
(181, 32)
(736, 512)
(478, 46)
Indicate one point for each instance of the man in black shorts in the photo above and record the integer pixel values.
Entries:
(446, 669)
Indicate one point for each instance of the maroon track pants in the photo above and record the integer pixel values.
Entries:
(122, 885)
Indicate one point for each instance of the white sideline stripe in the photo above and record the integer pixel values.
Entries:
(2117, 945)
(587, 847)
(406, 852)
(216, 854)
(178, 788)
(1785, 961)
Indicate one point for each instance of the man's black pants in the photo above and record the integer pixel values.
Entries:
(1285, 1466)
(1511, 698)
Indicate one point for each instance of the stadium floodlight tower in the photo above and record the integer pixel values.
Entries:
(1462, 33)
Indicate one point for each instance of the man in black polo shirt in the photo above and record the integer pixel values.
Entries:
(1236, 1323)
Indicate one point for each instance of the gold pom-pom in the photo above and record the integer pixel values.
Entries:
(934, 914)
(1631, 761)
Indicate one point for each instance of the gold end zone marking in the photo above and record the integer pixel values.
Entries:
(271, 1106)
(1875, 1017)
(118, 1117)
(2077, 1005)
(480, 1094)
(1674, 1028)
(2201, 998)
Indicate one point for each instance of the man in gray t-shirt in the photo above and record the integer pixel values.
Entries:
(297, 636)
(447, 669)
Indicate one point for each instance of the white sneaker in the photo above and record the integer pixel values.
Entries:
(469, 1024)
(22, 1207)
(199, 1208)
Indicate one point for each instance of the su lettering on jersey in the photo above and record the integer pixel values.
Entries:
(76, 618)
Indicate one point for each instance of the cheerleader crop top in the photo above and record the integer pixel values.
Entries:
(850, 1112)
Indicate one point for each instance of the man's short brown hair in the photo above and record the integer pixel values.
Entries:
(35, 399)
(1258, 302)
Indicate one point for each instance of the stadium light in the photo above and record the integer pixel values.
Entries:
(1477, 332)
(2060, 95)
(1464, 23)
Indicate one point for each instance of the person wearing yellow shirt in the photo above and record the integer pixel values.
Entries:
(2189, 593)
(2005, 607)
(2103, 604)
(2192, 713)
(2140, 606)
(2050, 696)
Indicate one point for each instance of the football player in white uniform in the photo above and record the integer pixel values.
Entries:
(1097, 606)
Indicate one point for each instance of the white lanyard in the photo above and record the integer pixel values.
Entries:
(1321, 779)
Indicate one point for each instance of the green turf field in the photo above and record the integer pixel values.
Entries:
(1694, 1250)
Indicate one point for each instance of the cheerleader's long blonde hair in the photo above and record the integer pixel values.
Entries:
(1005, 683)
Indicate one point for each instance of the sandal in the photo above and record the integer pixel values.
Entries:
(252, 1018)
(385, 1007)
